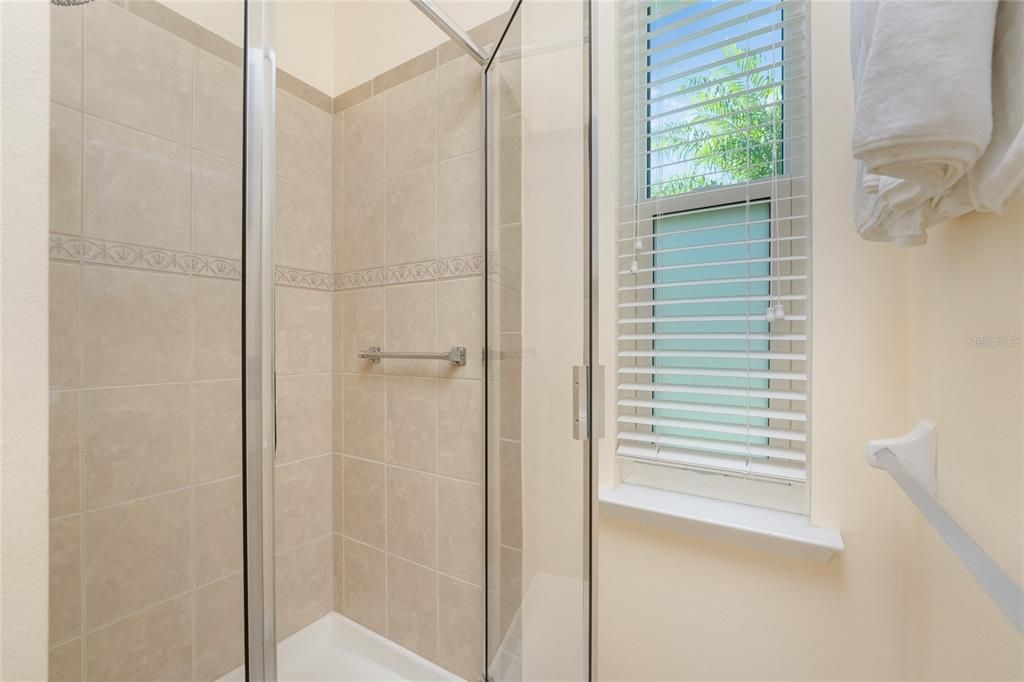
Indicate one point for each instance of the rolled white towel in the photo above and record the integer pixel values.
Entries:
(923, 107)
(874, 215)
(997, 178)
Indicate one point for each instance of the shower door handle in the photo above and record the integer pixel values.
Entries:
(580, 402)
(587, 394)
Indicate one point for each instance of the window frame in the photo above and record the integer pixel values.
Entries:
(781, 192)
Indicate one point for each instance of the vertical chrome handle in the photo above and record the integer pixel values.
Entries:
(587, 394)
(580, 406)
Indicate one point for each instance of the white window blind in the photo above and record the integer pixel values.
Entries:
(713, 245)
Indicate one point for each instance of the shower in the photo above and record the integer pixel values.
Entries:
(291, 400)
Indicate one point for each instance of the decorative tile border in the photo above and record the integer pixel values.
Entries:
(89, 250)
(422, 271)
(67, 247)
(303, 279)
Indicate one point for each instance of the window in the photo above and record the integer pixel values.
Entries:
(714, 250)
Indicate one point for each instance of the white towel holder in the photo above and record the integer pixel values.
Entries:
(910, 460)
(914, 450)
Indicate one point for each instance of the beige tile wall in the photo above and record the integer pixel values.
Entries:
(145, 489)
(145, 470)
(303, 477)
(409, 469)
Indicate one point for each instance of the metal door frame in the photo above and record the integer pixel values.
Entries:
(258, 398)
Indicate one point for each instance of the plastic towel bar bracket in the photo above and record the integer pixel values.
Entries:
(910, 460)
(915, 451)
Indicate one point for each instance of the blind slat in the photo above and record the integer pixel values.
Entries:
(701, 336)
(714, 245)
(712, 299)
(703, 462)
(713, 427)
(697, 85)
(790, 44)
(718, 172)
(735, 449)
(713, 282)
(679, 406)
(708, 354)
(724, 373)
(746, 18)
(731, 449)
(686, 20)
(748, 148)
(703, 318)
(713, 390)
(690, 266)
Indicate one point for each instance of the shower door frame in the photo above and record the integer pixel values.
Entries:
(592, 399)
(259, 434)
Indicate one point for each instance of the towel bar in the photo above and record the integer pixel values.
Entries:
(456, 356)
(910, 459)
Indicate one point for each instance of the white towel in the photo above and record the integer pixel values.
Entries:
(997, 178)
(923, 107)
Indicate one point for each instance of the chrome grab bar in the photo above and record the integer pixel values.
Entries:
(456, 356)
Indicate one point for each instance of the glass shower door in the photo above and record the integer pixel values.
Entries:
(146, 568)
(538, 284)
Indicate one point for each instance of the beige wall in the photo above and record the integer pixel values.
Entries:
(304, 33)
(372, 36)
(335, 45)
(226, 18)
(967, 282)
(891, 345)
(306, 41)
(24, 104)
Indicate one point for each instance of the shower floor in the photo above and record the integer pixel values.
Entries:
(335, 648)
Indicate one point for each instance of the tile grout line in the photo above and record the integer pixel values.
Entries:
(166, 600)
(387, 388)
(330, 345)
(437, 334)
(146, 498)
(81, 360)
(193, 295)
(340, 600)
(417, 563)
(403, 467)
(114, 387)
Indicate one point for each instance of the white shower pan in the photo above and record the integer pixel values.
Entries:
(337, 649)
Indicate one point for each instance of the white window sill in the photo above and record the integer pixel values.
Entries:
(768, 529)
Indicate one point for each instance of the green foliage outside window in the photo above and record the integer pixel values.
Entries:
(732, 135)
